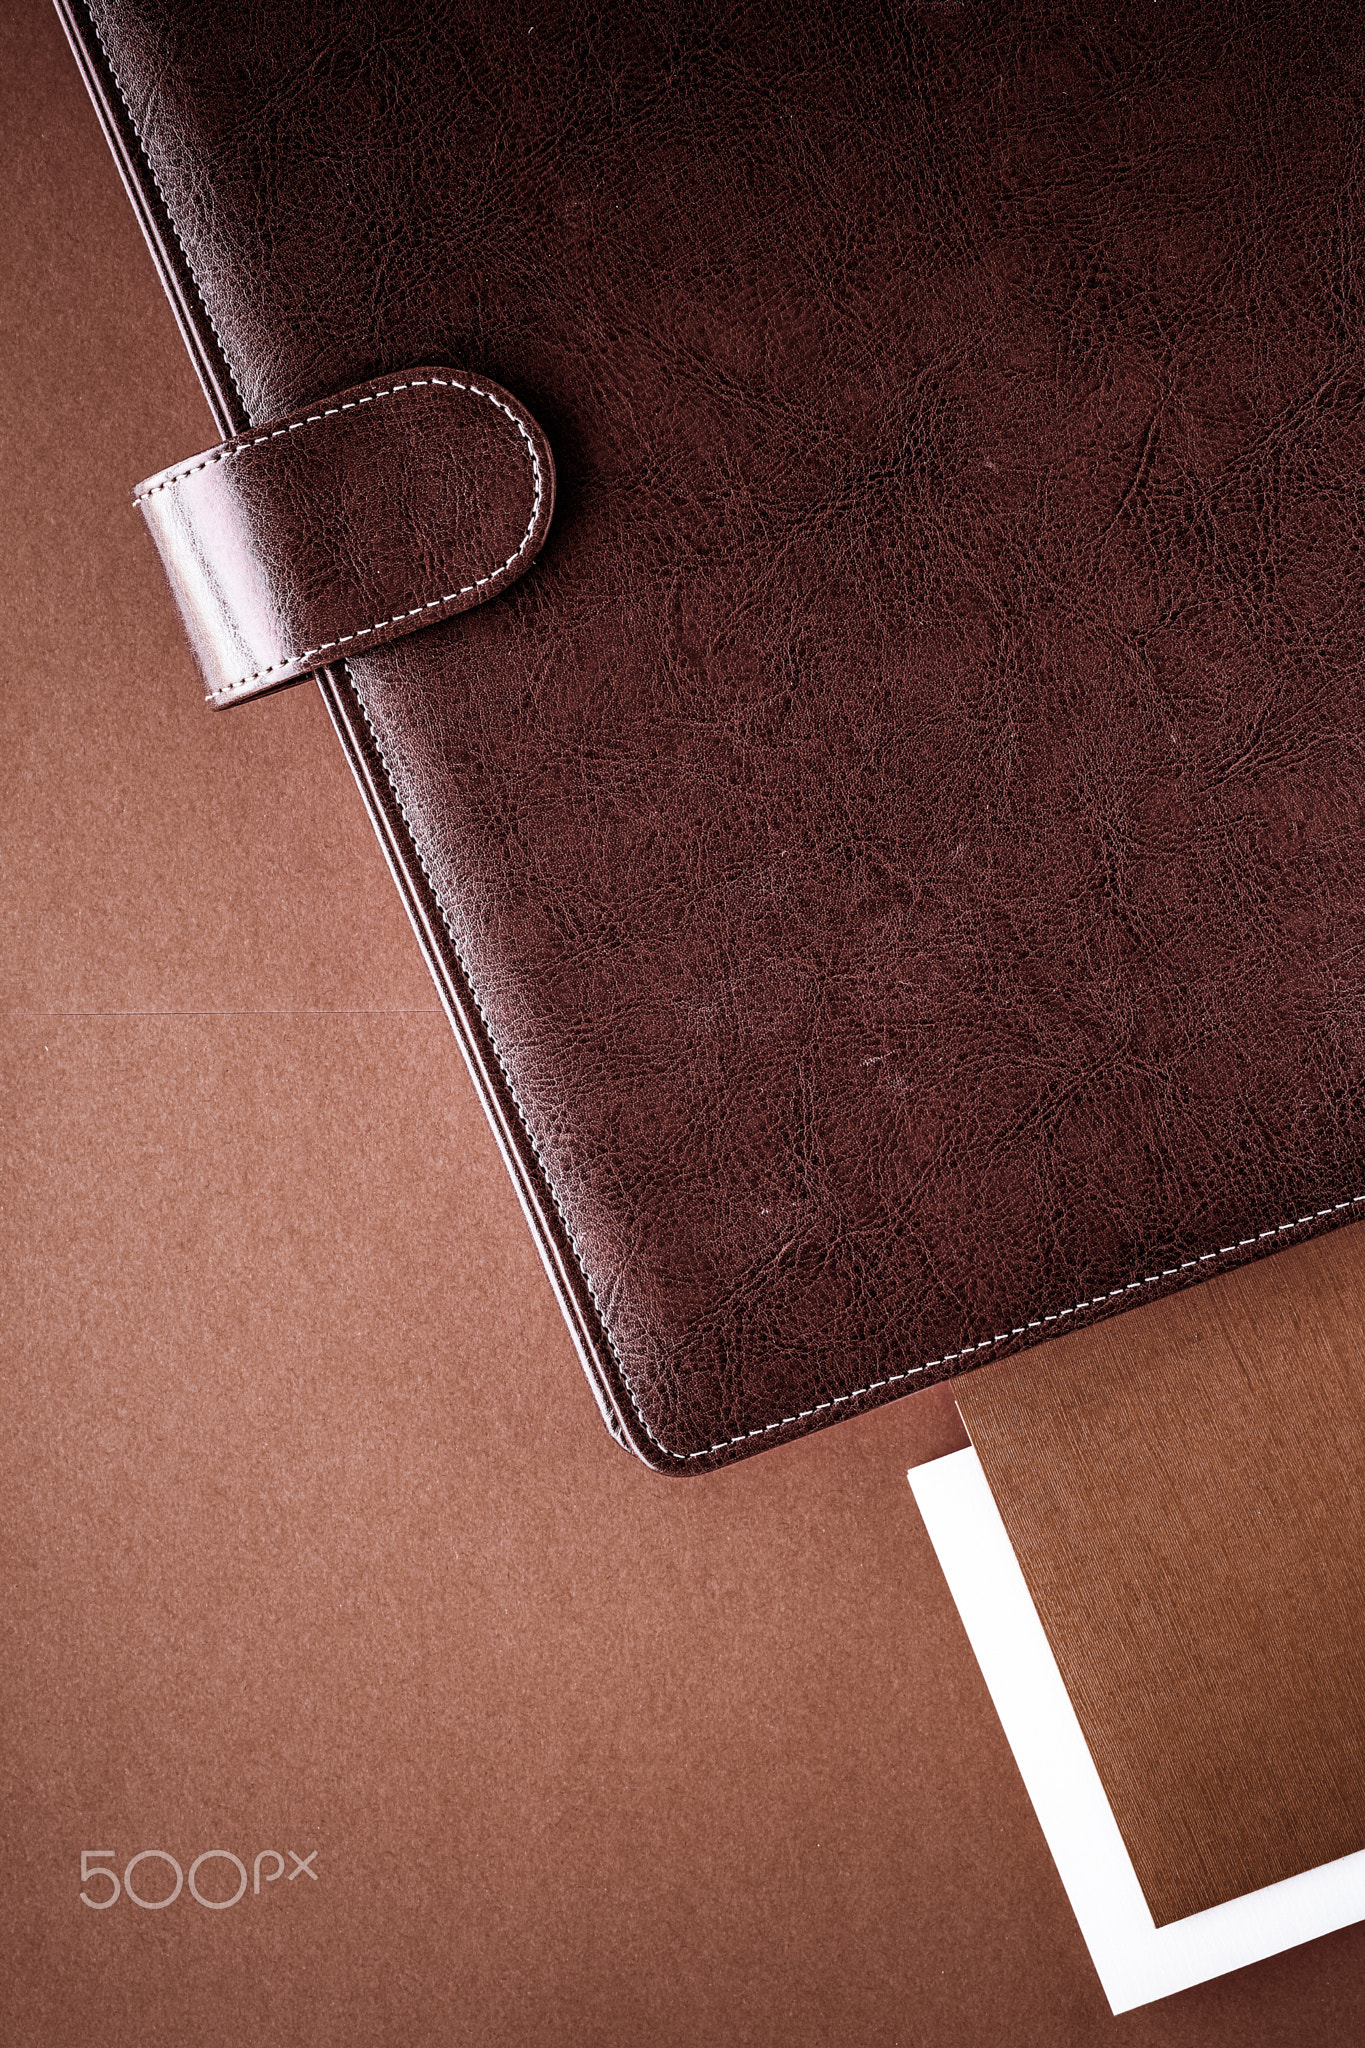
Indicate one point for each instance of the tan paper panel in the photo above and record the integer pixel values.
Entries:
(1184, 1493)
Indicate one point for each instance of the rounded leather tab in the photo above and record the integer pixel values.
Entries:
(357, 520)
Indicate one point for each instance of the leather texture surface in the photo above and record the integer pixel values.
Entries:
(1191, 1526)
(346, 525)
(896, 856)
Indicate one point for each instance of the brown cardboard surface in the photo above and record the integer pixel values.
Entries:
(312, 1537)
(1184, 1497)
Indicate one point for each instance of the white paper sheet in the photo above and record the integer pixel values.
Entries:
(1136, 1960)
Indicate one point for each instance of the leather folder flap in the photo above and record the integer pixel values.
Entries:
(350, 523)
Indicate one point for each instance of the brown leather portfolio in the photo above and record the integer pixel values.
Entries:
(830, 541)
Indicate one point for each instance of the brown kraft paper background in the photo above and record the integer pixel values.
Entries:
(312, 1537)
(1185, 1501)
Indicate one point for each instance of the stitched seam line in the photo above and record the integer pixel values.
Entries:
(1022, 1329)
(235, 449)
(680, 1456)
(166, 205)
(892, 1379)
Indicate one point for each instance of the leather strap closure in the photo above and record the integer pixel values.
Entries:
(348, 524)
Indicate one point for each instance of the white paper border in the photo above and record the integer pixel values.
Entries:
(1136, 1960)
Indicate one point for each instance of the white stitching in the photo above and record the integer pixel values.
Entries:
(312, 419)
(146, 158)
(1005, 1336)
(857, 1393)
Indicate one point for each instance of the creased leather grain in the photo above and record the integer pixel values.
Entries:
(361, 518)
(1183, 1494)
(901, 844)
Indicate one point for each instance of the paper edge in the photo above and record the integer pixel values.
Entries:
(1136, 1961)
